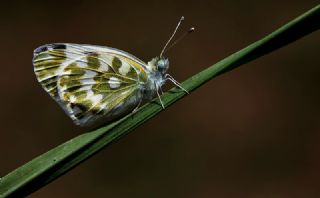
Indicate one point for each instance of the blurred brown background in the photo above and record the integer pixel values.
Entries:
(252, 132)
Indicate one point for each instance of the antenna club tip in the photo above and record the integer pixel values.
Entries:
(182, 18)
(191, 29)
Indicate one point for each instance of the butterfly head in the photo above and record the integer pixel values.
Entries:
(160, 65)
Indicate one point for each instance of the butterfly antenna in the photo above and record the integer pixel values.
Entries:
(180, 38)
(174, 32)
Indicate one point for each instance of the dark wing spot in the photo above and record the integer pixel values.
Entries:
(72, 105)
(95, 111)
(44, 48)
(58, 46)
(82, 107)
(90, 53)
(79, 116)
(41, 49)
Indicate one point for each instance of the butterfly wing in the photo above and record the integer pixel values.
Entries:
(90, 82)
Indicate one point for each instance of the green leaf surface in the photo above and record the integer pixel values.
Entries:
(54, 163)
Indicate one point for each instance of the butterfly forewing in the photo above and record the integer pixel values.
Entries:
(88, 81)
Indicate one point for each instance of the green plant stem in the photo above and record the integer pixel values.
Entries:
(54, 163)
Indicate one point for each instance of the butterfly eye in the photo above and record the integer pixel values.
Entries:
(163, 65)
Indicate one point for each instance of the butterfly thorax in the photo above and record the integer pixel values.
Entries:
(157, 68)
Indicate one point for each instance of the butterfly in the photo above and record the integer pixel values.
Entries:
(92, 82)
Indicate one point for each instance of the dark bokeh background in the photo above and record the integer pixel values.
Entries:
(252, 132)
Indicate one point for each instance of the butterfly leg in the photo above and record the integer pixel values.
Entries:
(137, 107)
(169, 77)
(159, 87)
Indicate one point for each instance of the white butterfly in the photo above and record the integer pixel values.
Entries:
(93, 82)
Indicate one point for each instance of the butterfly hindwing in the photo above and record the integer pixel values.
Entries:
(89, 81)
